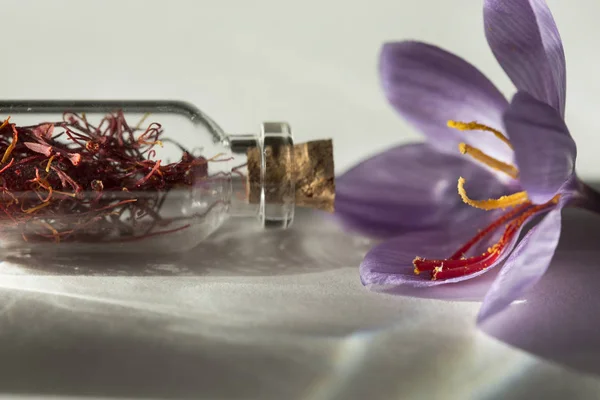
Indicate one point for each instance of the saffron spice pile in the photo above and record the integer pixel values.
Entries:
(71, 181)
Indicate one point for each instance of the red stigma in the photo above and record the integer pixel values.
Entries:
(457, 265)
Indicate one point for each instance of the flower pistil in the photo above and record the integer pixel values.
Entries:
(458, 265)
(521, 209)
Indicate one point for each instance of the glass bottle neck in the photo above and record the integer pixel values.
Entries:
(262, 175)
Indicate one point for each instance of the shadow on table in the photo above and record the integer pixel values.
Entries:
(237, 249)
(558, 319)
(174, 338)
(49, 353)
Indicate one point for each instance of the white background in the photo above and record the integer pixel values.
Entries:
(282, 326)
(312, 63)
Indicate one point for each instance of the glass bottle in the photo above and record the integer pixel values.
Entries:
(134, 176)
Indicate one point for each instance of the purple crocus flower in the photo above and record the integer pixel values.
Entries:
(517, 157)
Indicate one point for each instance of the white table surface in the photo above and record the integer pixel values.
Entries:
(269, 316)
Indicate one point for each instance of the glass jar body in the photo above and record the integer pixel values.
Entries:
(111, 176)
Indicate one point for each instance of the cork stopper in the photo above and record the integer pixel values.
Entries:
(307, 166)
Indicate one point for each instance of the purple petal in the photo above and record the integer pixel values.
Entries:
(544, 150)
(429, 86)
(525, 40)
(524, 267)
(558, 318)
(410, 187)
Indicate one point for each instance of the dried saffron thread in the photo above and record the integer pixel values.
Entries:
(12, 145)
(7, 166)
(99, 183)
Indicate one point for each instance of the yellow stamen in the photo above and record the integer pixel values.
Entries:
(12, 196)
(491, 204)
(153, 143)
(5, 123)
(66, 194)
(156, 142)
(144, 117)
(214, 158)
(491, 162)
(475, 126)
(10, 147)
(49, 163)
(36, 208)
(53, 230)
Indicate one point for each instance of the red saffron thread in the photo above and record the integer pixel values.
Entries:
(457, 265)
(96, 184)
